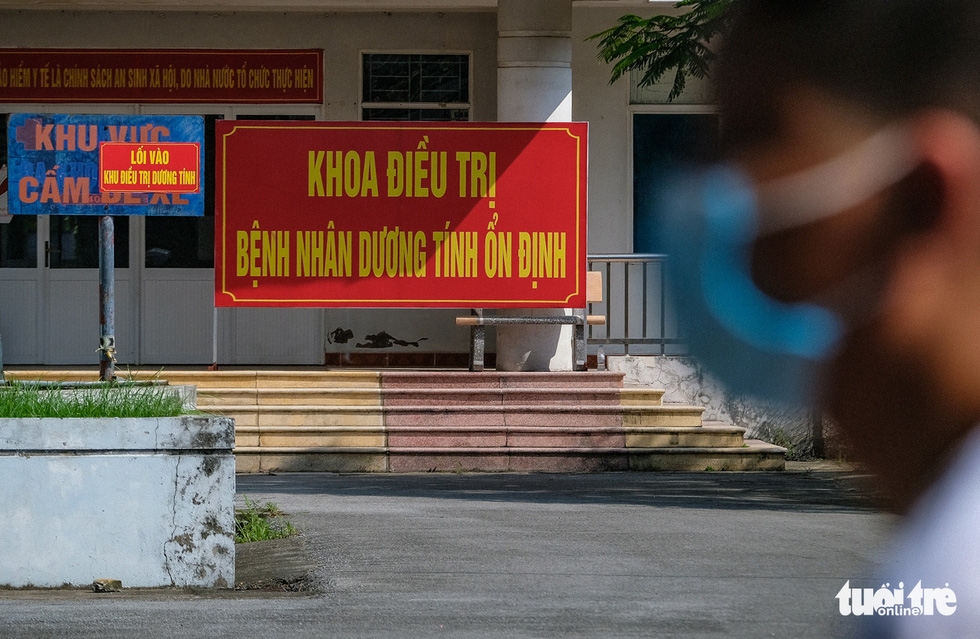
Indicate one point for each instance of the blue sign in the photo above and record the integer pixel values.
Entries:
(53, 164)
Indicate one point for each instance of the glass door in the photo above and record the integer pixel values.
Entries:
(274, 335)
(175, 278)
(49, 280)
(663, 142)
(175, 270)
(20, 294)
(70, 260)
(20, 288)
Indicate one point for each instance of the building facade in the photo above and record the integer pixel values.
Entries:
(477, 60)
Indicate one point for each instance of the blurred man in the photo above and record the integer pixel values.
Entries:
(838, 248)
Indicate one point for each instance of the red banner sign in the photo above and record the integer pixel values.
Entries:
(161, 75)
(464, 215)
(152, 168)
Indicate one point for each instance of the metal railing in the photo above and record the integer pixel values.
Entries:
(636, 306)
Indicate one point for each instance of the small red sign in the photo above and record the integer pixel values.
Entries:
(172, 167)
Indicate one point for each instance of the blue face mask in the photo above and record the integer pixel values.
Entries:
(752, 343)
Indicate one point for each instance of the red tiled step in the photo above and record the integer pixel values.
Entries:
(400, 438)
(493, 379)
(437, 396)
(536, 415)
(570, 459)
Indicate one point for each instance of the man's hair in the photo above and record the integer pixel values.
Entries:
(892, 57)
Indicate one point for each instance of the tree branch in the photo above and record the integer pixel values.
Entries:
(663, 43)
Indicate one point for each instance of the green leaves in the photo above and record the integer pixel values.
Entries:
(666, 43)
(261, 524)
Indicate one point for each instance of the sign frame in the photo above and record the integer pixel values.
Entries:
(176, 180)
(531, 157)
(54, 164)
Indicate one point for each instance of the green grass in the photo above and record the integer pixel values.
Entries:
(25, 399)
(256, 523)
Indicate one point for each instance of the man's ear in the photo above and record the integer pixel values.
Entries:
(948, 145)
(941, 255)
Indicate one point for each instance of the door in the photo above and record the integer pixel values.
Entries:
(49, 301)
(175, 272)
(70, 285)
(178, 323)
(49, 280)
(662, 143)
(20, 289)
(273, 335)
(20, 295)
(49, 291)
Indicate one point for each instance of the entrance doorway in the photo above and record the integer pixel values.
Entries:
(663, 142)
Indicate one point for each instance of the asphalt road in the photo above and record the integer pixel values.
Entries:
(538, 555)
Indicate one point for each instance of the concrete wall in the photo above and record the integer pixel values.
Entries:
(147, 501)
(608, 111)
(686, 383)
(606, 108)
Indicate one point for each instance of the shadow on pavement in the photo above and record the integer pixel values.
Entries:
(799, 492)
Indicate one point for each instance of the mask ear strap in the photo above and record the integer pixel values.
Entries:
(838, 184)
(803, 330)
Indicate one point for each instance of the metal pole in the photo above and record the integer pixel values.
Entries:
(214, 340)
(107, 299)
(663, 307)
(626, 307)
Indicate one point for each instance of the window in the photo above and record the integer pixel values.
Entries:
(74, 241)
(18, 242)
(415, 87)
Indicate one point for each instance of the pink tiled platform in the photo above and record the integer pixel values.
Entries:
(493, 421)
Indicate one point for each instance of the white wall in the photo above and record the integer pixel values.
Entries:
(147, 501)
(341, 36)
(606, 108)
(687, 383)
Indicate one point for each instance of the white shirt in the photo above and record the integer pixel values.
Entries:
(937, 549)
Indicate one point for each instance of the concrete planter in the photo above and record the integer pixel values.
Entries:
(148, 501)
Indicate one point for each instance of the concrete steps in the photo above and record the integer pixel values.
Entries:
(714, 436)
(753, 455)
(413, 421)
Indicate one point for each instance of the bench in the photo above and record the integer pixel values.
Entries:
(579, 319)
